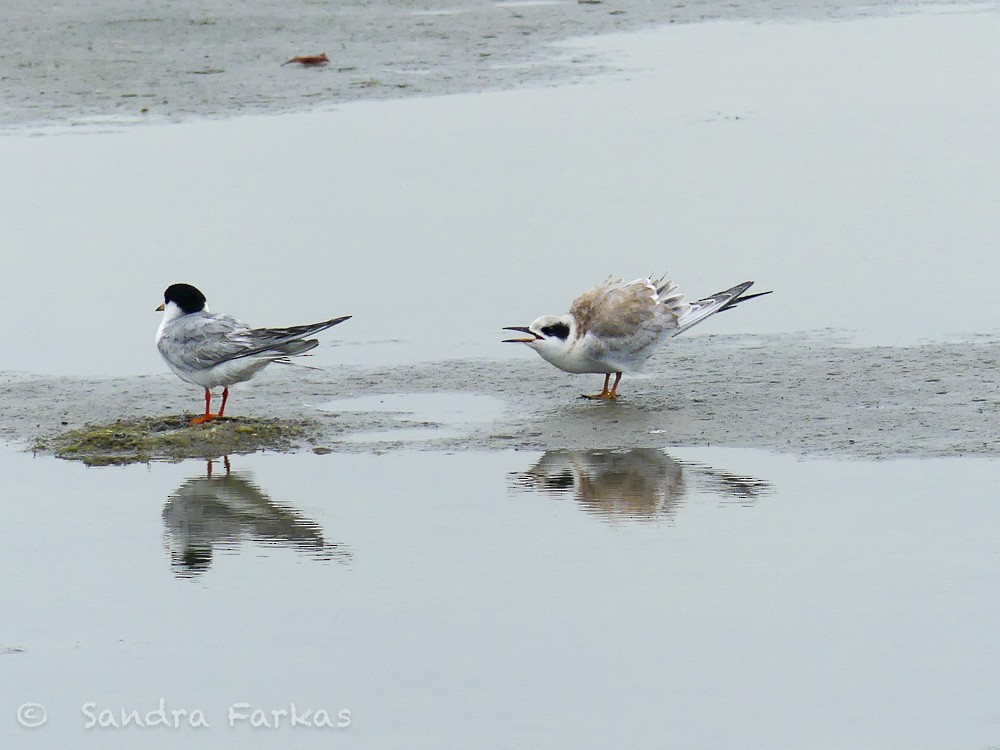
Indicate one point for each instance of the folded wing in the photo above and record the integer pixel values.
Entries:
(285, 341)
(198, 342)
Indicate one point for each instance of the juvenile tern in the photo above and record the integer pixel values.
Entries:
(615, 327)
(209, 349)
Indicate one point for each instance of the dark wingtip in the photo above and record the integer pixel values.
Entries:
(743, 297)
(331, 323)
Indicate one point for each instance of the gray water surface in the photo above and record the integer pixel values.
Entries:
(716, 598)
(849, 166)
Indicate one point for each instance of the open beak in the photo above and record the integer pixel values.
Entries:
(520, 329)
(161, 308)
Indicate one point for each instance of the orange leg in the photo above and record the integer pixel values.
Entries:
(208, 416)
(225, 397)
(605, 392)
(225, 463)
(614, 388)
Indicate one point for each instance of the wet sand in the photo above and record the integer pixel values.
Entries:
(121, 61)
(792, 394)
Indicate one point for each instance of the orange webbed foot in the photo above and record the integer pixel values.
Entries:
(602, 396)
(606, 394)
(203, 418)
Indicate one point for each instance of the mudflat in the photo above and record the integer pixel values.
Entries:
(785, 393)
(122, 60)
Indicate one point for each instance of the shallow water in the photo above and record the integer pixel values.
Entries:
(422, 416)
(849, 166)
(566, 599)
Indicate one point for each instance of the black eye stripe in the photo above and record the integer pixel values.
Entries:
(559, 330)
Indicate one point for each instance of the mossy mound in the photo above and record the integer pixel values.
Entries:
(173, 438)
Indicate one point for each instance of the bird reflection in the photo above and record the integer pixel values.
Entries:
(221, 510)
(642, 484)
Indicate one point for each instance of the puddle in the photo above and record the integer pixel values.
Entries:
(423, 416)
(422, 407)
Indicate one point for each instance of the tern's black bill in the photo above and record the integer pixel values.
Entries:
(520, 329)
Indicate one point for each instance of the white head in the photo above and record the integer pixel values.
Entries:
(552, 336)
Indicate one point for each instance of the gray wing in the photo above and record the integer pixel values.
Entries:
(286, 341)
(202, 340)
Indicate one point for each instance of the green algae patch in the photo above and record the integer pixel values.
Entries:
(173, 438)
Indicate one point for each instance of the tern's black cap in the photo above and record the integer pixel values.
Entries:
(185, 296)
